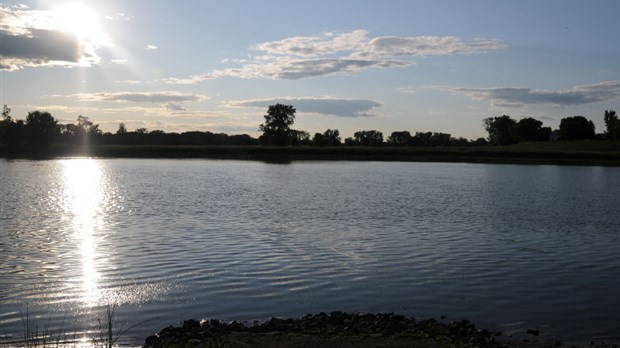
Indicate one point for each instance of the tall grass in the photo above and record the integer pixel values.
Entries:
(106, 333)
(34, 336)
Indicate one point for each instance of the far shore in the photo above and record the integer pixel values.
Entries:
(590, 153)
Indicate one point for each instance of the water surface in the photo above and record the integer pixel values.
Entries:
(508, 247)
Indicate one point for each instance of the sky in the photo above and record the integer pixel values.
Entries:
(350, 65)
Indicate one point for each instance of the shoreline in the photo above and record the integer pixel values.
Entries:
(582, 153)
(339, 329)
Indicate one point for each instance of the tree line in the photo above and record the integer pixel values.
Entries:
(39, 130)
(504, 130)
(277, 131)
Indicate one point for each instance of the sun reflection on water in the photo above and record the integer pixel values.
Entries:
(84, 193)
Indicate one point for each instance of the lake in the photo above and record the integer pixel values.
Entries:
(510, 247)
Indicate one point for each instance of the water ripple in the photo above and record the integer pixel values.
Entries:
(510, 247)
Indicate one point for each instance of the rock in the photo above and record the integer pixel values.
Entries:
(151, 340)
(193, 333)
(189, 324)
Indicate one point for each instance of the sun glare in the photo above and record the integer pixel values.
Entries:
(83, 182)
(81, 21)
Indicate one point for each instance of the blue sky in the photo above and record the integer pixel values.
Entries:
(350, 65)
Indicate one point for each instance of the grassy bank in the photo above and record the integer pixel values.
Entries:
(605, 153)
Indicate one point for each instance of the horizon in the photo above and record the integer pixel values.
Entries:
(390, 66)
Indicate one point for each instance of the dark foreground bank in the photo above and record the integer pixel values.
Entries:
(337, 329)
(606, 153)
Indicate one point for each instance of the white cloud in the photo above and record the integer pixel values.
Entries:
(324, 105)
(139, 97)
(408, 90)
(317, 46)
(416, 46)
(151, 47)
(313, 56)
(129, 82)
(358, 43)
(187, 80)
(119, 17)
(517, 97)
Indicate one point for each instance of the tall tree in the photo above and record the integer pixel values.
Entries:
(121, 129)
(41, 129)
(6, 113)
(576, 128)
(87, 126)
(612, 124)
(277, 127)
(10, 130)
(529, 129)
(502, 130)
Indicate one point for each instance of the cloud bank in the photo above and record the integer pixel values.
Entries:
(30, 39)
(324, 106)
(141, 97)
(518, 97)
(313, 56)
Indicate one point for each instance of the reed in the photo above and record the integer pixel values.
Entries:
(45, 336)
(107, 333)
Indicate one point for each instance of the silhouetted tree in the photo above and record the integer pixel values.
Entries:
(576, 128)
(121, 129)
(349, 141)
(88, 126)
(10, 130)
(480, 142)
(430, 139)
(460, 141)
(276, 129)
(83, 132)
(399, 138)
(441, 139)
(6, 113)
(41, 129)
(368, 138)
(242, 139)
(157, 137)
(331, 137)
(612, 125)
(502, 130)
(299, 137)
(545, 134)
(421, 139)
(530, 129)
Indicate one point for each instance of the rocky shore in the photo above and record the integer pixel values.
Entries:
(337, 329)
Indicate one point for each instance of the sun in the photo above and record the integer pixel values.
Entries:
(79, 20)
